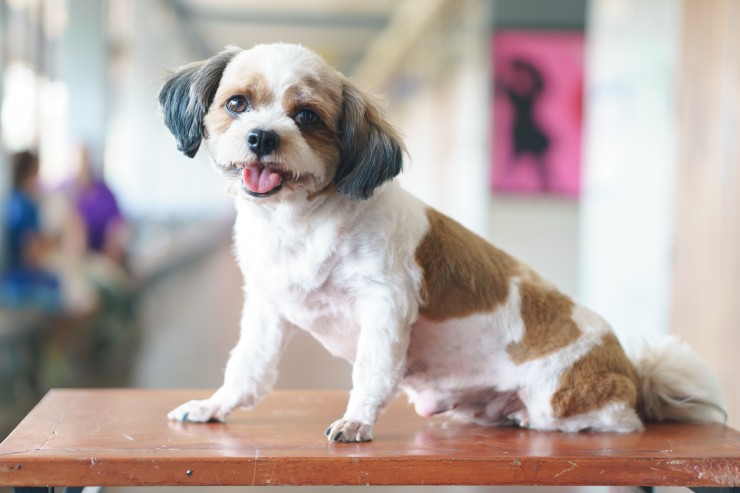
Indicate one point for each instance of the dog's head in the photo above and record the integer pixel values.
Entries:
(276, 119)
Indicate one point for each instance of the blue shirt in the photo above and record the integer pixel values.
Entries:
(25, 285)
(21, 223)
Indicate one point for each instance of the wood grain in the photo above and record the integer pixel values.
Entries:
(121, 437)
(706, 277)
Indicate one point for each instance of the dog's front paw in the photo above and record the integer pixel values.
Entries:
(344, 430)
(199, 411)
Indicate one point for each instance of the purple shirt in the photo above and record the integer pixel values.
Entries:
(98, 208)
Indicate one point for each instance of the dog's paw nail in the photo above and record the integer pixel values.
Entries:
(199, 412)
(349, 431)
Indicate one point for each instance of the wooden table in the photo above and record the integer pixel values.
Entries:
(121, 437)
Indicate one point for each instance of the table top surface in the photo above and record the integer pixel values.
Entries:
(122, 437)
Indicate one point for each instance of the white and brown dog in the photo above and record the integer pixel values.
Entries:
(329, 243)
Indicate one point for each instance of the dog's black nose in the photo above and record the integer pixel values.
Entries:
(262, 142)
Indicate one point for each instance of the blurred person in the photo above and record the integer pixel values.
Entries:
(105, 228)
(25, 281)
(92, 237)
(90, 261)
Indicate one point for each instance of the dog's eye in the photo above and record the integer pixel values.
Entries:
(237, 104)
(306, 118)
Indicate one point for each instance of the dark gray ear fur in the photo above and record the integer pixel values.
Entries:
(372, 151)
(187, 95)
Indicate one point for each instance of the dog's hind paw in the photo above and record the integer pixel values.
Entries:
(199, 412)
(344, 430)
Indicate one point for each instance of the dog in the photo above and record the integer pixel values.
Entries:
(328, 242)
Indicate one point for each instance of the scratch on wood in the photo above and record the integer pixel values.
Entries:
(721, 473)
(54, 432)
(48, 439)
(676, 462)
(724, 474)
(572, 466)
(254, 470)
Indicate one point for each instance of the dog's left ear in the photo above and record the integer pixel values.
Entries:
(187, 95)
(372, 151)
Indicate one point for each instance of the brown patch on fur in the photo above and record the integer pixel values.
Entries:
(462, 273)
(601, 376)
(255, 88)
(324, 143)
(309, 93)
(216, 122)
(548, 325)
(257, 91)
(327, 190)
(323, 100)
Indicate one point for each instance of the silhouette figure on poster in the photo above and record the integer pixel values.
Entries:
(523, 90)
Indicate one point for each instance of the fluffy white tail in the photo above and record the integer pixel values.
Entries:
(675, 384)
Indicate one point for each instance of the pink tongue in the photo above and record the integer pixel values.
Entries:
(260, 180)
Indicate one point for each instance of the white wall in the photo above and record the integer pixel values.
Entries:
(445, 121)
(82, 66)
(626, 209)
(143, 165)
(541, 232)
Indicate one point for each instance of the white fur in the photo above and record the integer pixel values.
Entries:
(282, 66)
(669, 368)
(345, 271)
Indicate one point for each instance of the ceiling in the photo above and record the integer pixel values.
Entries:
(341, 31)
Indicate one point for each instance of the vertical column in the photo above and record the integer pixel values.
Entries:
(706, 287)
(629, 163)
(80, 59)
(4, 170)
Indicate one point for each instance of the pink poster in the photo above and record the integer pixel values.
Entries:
(538, 107)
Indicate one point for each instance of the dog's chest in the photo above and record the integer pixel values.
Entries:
(304, 276)
(324, 310)
(281, 256)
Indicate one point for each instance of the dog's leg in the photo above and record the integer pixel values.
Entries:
(377, 369)
(252, 367)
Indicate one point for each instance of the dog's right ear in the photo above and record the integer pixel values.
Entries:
(372, 150)
(187, 95)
